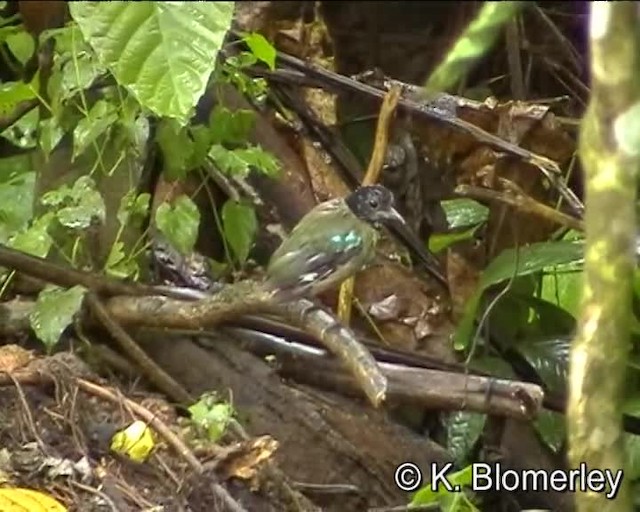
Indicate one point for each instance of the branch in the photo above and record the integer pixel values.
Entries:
(610, 157)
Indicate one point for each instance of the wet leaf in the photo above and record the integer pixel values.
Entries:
(179, 223)
(54, 312)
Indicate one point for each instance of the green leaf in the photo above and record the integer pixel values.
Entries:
(133, 207)
(240, 161)
(632, 452)
(463, 431)
(256, 157)
(23, 133)
(427, 495)
(230, 127)
(13, 93)
(118, 265)
(16, 201)
(164, 52)
(211, 415)
(21, 45)
(76, 207)
(262, 49)
(551, 427)
(516, 262)
(228, 161)
(440, 241)
(177, 148)
(463, 213)
(240, 226)
(99, 119)
(532, 258)
(550, 360)
(54, 311)
(77, 73)
(50, 134)
(35, 240)
(179, 223)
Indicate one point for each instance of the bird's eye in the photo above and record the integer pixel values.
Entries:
(373, 202)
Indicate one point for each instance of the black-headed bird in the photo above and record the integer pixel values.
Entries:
(338, 238)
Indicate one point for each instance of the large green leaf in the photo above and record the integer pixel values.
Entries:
(179, 223)
(550, 359)
(512, 263)
(164, 52)
(54, 311)
(240, 226)
(16, 204)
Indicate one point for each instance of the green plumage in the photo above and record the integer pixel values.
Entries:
(329, 245)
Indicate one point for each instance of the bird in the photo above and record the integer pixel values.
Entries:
(337, 238)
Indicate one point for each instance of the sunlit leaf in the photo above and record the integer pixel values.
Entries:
(164, 52)
(240, 226)
(179, 223)
(262, 49)
(134, 442)
(17, 499)
(54, 312)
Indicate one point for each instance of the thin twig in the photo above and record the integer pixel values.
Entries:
(149, 368)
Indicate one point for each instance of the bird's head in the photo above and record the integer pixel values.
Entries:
(374, 204)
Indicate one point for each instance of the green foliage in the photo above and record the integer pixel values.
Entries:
(169, 62)
(54, 312)
(97, 121)
(240, 226)
(16, 200)
(240, 161)
(21, 45)
(551, 427)
(76, 207)
(463, 431)
(211, 416)
(512, 263)
(230, 127)
(550, 359)
(179, 223)
(261, 48)
(448, 501)
(464, 217)
(35, 240)
(14, 93)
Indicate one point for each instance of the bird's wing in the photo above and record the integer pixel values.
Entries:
(321, 248)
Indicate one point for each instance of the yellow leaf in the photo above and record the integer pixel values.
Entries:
(136, 441)
(28, 500)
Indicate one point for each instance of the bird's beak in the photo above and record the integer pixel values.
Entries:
(395, 223)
